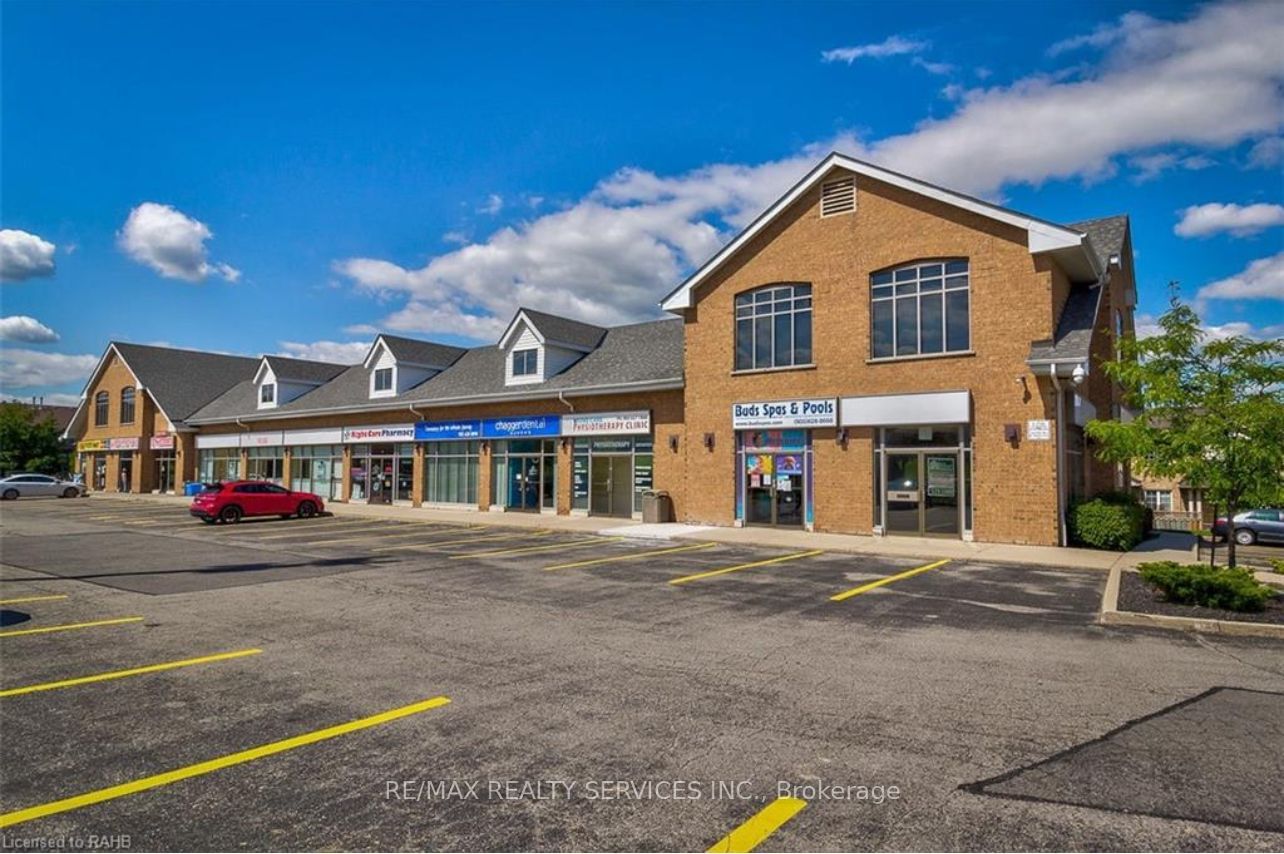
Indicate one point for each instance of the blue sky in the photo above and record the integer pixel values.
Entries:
(297, 177)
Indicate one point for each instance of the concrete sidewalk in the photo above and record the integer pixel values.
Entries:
(1163, 546)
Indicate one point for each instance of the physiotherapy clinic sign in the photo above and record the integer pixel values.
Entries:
(813, 412)
(606, 423)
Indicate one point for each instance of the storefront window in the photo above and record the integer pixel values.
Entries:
(165, 471)
(610, 473)
(218, 465)
(382, 474)
(525, 473)
(317, 469)
(450, 472)
(773, 484)
(923, 480)
(266, 464)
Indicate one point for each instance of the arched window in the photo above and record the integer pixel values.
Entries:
(101, 404)
(126, 406)
(920, 309)
(773, 327)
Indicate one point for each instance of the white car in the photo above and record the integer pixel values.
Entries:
(38, 485)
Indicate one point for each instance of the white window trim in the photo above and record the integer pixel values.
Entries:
(391, 390)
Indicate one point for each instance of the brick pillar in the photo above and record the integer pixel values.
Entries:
(485, 489)
(417, 490)
(346, 493)
(184, 459)
(144, 469)
(245, 463)
(113, 472)
(565, 454)
(286, 465)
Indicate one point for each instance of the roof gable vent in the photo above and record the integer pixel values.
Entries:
(838, 197)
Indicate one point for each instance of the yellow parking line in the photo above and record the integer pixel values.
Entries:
(873, 585)
(571, 544)
(164, 779)
(32, 599)
(632, 556)
(329, 523)
(710, 574)
(121, 674)
(69, 626)
(434, 545)
(765, 822)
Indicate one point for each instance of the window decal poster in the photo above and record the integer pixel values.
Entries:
(758, 463)
(789, 464)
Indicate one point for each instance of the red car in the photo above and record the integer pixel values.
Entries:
(231, 502)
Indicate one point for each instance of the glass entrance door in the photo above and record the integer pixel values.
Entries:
(773, 489)
(524, 483)
(611, 486)
(922, 493)
(381, 480)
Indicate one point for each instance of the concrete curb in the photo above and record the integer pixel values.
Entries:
(1111, 616)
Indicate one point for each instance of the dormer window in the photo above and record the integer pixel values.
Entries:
(525, 362)
(267, 393)
(383, 379)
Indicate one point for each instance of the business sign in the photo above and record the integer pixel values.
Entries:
(91, 445)
(818, 412)
(162, 443)
(521, 427)
(601, 423)
(1038, 430)
(387, 433)
(130, 444)
(444, 431)
(271, 439)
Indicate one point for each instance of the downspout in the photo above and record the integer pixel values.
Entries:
(1061, 497)
(562, 397)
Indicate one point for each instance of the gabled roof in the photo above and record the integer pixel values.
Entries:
(1041, 235)
(552, 329)
(428, 354)
(635, 357)
(1106, 235)
(302, 370)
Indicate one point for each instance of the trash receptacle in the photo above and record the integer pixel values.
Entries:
(657, 506)
(193, 488)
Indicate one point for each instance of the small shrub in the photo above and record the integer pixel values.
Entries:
(1111, 521)
(1209, 587)
(1277, 565)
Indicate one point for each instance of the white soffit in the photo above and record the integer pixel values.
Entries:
(892, 410)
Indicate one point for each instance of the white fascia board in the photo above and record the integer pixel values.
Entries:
(1042, 236)
(263, 366)
(514, 325)
(378, 344)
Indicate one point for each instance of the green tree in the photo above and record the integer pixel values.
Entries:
(1209, 411)
(29, 441)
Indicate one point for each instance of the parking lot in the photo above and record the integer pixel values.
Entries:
(344, 682)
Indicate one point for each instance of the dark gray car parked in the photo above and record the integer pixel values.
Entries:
(1252, 526)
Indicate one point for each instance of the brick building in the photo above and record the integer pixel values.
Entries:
(873, 354)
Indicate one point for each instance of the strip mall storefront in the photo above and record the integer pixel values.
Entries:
(774, 459)
(105, 461)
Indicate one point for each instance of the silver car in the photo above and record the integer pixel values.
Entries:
(38, 485)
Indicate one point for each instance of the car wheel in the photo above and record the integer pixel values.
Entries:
(10, 495)
(69, 492)
(230, 514)
(307, 510)
(1245, 536)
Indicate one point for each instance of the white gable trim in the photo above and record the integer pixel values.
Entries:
(1041, 236)
(379, 344)
(515, 324)
(93, 378)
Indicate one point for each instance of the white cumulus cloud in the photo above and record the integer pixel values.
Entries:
(1186, 87)
(24, 329)
(21, 368)
(890, 46)
(335, 352)
(1262, 279)
(171, 243)
(24, 255)
(1239, 220)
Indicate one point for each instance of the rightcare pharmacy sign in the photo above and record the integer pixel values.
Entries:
(770, 414)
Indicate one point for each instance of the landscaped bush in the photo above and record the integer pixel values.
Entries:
(1112, 521)
(1211, 587)
(1277, 565)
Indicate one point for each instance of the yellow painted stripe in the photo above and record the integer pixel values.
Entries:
(32, 599)
(121, 674)
(711, 573)
(156, 780)
(439, 543)
(329, 523)
(874, 585)
(632, 556)
(765, 822)
(570, 544)
(69, 626)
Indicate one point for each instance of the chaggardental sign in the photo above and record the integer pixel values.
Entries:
(815, 412)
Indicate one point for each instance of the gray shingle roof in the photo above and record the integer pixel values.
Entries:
(182, 381)
(303, 370)
(1073, 338)
(1106, 235)
(637, 354)
(422, 352)
(564, 330)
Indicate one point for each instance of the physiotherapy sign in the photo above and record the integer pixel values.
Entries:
(606, 423)
(813, 412)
